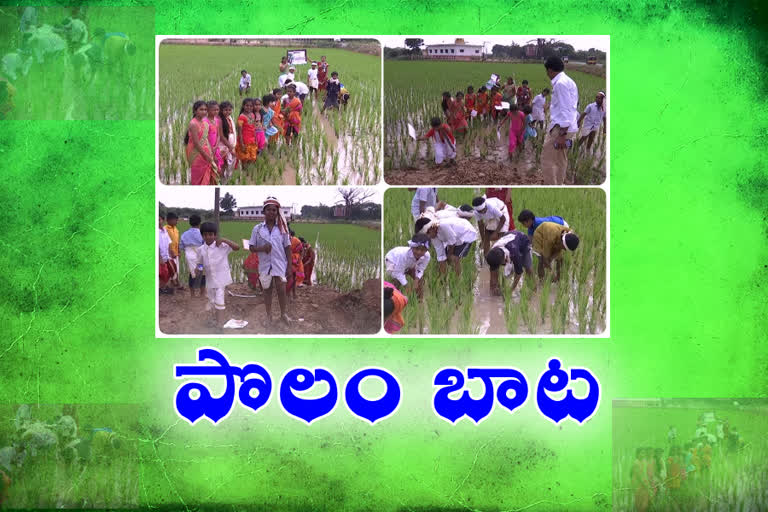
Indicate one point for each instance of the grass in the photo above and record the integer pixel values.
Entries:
(122, 91)
(413, 92)
(346, 146)
(346, 254)
(736, 480)
(575, 305)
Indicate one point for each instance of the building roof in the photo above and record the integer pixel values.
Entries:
(455, 44)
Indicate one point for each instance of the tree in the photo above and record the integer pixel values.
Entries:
(352, 197)
(414, 44)
(228, 203)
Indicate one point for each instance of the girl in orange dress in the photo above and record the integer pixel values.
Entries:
(309, 262)
(297, 257)
(277, 118)
(457, 121)
(247, 149)
(496, 99)
(292, 114)
(469, 101)
(482, 102)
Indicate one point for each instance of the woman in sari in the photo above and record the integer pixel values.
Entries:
(482, 102)
(322, 73)
(309, 261)
(215, 132)
(297, 260)
(292, 114)
(199, 153)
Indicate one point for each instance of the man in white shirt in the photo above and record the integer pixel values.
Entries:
(291, 73)
(563, 117)
(492, 219)
(591, 119)
(245, 82)
(423, 199)
(74, 31)
(538, 108)
(312, 79)
(401, 262)
(452, 238)
(282, 79)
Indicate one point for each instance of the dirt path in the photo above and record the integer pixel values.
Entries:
(316, 310)
(330, 134)
(289, 175)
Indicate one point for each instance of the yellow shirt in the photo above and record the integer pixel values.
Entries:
(548, 240)
(173, 232)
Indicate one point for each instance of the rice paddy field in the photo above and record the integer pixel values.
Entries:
(115, 91)
(464, 305)
(340, 147)
(346, 254)
(102, 476)
(413, 93)
(737, 478)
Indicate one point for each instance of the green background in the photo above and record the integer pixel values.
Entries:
(688, 201)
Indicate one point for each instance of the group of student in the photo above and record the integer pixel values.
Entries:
(673, 482)
(526, 115)
(450, 232)
(278, 260)
(216, 144)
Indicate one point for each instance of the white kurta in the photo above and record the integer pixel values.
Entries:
(400, 260)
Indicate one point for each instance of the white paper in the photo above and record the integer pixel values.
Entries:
(235, 324)
(246, 244)
(494, 77)
(412, 131)
(505, 105)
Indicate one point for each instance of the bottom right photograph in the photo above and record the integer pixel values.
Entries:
(503, 261)
(690, 454)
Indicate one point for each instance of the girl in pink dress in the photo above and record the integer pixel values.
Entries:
(516, 128)
(214, 132)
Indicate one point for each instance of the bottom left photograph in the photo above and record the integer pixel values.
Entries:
(269, 260)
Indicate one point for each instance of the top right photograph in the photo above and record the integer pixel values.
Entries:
(495, 110)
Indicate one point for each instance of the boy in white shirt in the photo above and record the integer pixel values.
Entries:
(409, 261)
(591, 119)
(312, 79)
(215, 256)
(539, 108)
(245, 82)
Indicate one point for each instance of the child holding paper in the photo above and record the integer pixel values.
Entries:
(442, 138)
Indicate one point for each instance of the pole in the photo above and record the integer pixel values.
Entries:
(216, 208)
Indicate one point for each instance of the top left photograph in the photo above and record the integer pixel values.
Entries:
(82, 62)
(248, 111)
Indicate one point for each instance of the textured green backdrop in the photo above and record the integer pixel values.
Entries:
(688, 277)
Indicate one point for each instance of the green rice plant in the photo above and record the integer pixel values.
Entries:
(575, 304)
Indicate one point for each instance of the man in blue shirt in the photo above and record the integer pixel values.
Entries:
(192, 239)
(530, 221)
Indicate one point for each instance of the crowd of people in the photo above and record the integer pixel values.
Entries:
(525, 114)
(449, 230)
(217, 144)
(71, 42)
(677, 476)
(278, 260)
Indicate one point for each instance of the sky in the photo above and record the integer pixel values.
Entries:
(202, 197)
(578, 42)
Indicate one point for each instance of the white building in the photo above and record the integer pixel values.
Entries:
(456, 51)
(256, 213)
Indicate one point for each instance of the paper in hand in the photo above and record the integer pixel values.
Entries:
(246, 244)
(474, 113)
(411, 131)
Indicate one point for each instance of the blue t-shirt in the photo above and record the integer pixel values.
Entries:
(538, 220)
(192, 238)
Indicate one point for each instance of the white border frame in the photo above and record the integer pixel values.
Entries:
(383, 187)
